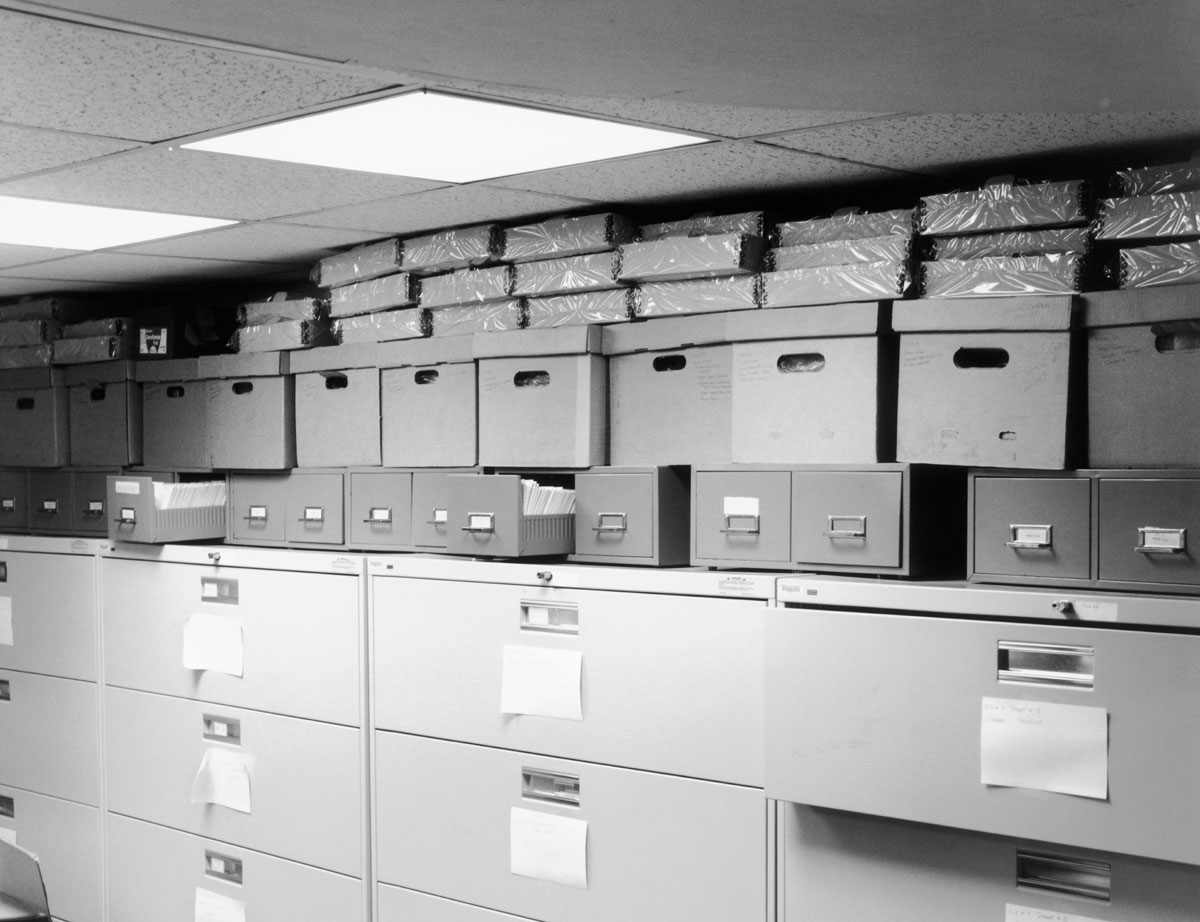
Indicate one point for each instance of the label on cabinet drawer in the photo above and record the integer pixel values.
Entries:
(542, 682)
(213, 643)
(8, 835)
(1042, 746)
(216, 907)
(6, 627)
(1014, 913)
(548, 847)
(223, 778)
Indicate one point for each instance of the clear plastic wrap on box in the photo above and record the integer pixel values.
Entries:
(494, 317)
(105, 326)
(753, 223)
(1156, 180)
(612, 305)
(568, 236)
(1005, 206)
(467, 286)
(587, 272)
(282, 336)
(885, 280)
(1012, 243)
(64, 310)
(849, 226)
(1054, 273)
(27, 332)
(697, 296)
(456, 248)
(81, 349)
(711, 255)
(281, 308)
(382, 326)
(364, 262)
(26, 356)
(841, 252)
(1172, 214)
(1168, 264)
(381, 294)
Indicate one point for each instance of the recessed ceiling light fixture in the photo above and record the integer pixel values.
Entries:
(67, 226)
(440, 137)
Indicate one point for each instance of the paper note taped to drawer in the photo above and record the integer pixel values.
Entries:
(223, 778)
(548, 847)
(1044, 747)
(216, 907)
(6, 624)
(1015, 913)
(8, 835)
(213, 643)
(542, 681)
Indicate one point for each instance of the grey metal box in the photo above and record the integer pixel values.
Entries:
(850, 519)
(632, 516)
(486, 519)
(51, 494)
(314, 513)
(741, 517)
(14, 502)
(1148, 531)
(258, 505)
(430, 509)
(1038, 528)
(380, 509)
(89, 505)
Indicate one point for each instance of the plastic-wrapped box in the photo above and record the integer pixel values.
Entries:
(281, 308)
(381, 294)
(104, 326)
(382, 326)
(1172, 214)
(1053, 273)
(1012, 243)
(1005, 206)
(27, 332)
(1168, 264)
(851, 225)
(79, 349)
(282, 335)
(493, 317)
(567, 236)
(456, 248)
(26, 356)
(586, 272)
(1156, 180)
(612, 305)
(840, 252)
(64, 310)
(753, 223)
(697, 296)
(467, 286)
(365, 262)
(884, 280)
(691, 257)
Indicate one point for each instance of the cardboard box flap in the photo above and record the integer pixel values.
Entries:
(250, 365)
(552, 341)
(25, 379)
(168, 370)
(101, 373)
(1141, 306)
(407, 352)
(1020, 312)
(864, 318)
(334, 358)
(666, 333)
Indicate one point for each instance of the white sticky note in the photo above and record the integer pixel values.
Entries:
(548, 847)
(216, 907)
(8, 835)
(213, 643)
(6, 624)
(741, 505)
(223, 778)
(1015, 913)
(542, 681)
(1047, 747)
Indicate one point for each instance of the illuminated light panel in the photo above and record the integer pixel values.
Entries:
(445, 138)
(67, 226)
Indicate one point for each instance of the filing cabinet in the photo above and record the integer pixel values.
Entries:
(632, 516)
(14, 502)
(295, 508)
(380, 509)
(89, 505)
(51, 498)
(430, 503)
(486, 518)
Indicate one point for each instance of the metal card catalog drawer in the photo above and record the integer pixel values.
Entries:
(632, 516)
(486, 519)
(430, 516)
(301, 779)
(14, 502)
(50, 497)
(460, 821)
(50, 729)
(741, 517)
(314, 508)
(451, 657)
(49, 601)
(89, 506)
(1149, 531)
(846, 867)
(163, 875)
(66, 838)
(283, 641)
(380, 509)
(399, 905)
(1035, 527)
(848, 518)
(905, 732)
(257, 508)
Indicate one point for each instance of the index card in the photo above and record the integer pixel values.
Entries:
(213, 643)
(216, 907)
(548, 847)
(6, 621)
(223, 778)
(1014, 913)
(741, 505)
(1047, 747)
(542, 681)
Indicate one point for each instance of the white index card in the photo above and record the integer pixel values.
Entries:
(542, 681)
(8, 835)
(548, 847)
(1015, 913)
(223, 778)
(213, 643)
(1061, 748)
(216, 907)
(741, 505)
(6, 624)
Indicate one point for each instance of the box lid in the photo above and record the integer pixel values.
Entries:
(333, 358)
(1141, 306)
(440, 351)
(168, 370)
(101, 373)
(570, 340)
(248, 365)
(667, 333)
(24, 379)
(863, 318)
(1020, 312)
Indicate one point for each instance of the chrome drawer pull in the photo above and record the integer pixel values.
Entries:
(1045, 664)
(730, 529)
(858, 528)
(8, 504)
(556, 617)
(551, 787)
(1031, 537)
(1065, 876)
(223, 867)
(8, 807)
(440, 517)
(379, 515)
(1152, 540)
(5, 690)
(126, 516)
(257, 514)
(482, 523)
(222, 729)
(313, 515)
(601, 527)
(50, 506)
(94, 509)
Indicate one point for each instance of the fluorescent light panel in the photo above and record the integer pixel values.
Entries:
(66, 226)
(445, 138)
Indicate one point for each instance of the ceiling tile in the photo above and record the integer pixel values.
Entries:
(121, 267)
(216, 185)
(27, 150)
(259, 242)
(120, 85)
(13, 255)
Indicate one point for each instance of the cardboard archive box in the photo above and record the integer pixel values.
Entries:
(34, 407)
(337, 406)
(252, 404)
(174, 415)
(106, 414)
(428, 395)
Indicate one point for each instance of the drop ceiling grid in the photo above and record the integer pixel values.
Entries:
(257, 242)
(117, 267)
(30, 150)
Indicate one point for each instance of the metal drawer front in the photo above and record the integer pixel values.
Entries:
(430, 516)
(89, 515)
(50, 498)
(1031, 526)
(742, 517)
(52, 609)
(14, 501)
(258, 507)
(51, 741)
(399, 905)
(614, 514)
(380, 509)
(1149, 531)
(847, 518)
(314, 509)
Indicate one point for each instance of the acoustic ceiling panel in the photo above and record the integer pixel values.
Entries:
(28, 150)
(117, 267)
(259, 242)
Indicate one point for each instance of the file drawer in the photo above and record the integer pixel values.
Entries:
(51, 737)
(451, 656)
(631, 845)
(89, 514)
(843, 867)
(960, 722)
(14, 502)
(431, 501)
(313, 508)
(741, 517)
(50, 497)
(304, 784)
(189, 630)
(1037, 528)
(1149, 531)
(163, 875)
(51, 606)
(380, 509)
(399, 905)
(66, 838)
(848, 519)
(632, 516)
(258, 508)
(486, 519)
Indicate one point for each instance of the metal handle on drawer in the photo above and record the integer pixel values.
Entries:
(858, 531)
(439, 517)
(222, 729)
(5, 690)
(601, 528)
(1154, 540)
(94, 509)
(1031, 537)
(1046, 664)
(1065, 876)
(8, 807)
(257, 514)
(8, 504)
(752, 530)
(482, 523)
(551, 787)
(556, 617)
(50, 506)
(126, 516)
(312, 514)
(379, 515)
(223, 867)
